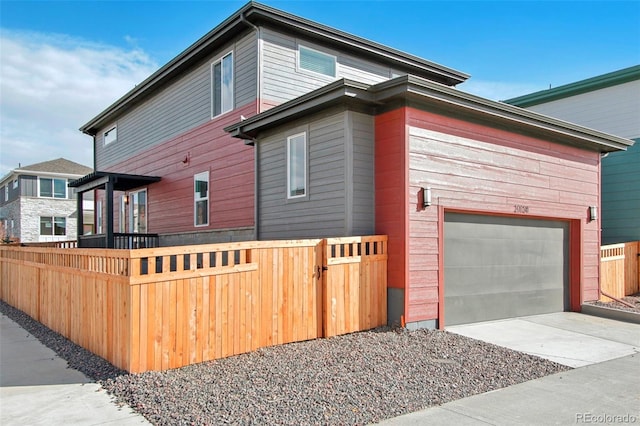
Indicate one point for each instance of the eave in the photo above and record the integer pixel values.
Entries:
(430, 95)
(257, 14)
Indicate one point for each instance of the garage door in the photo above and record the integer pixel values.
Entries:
(503, 267)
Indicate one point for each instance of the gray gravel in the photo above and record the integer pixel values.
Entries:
(359, 378)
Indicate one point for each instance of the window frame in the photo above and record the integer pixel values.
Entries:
(301, 47)
(197, 199)
(304, 164)
(231, 99)
(54, 222)
(53, 188)
(112, 128)
(15, 184)
(134, 203)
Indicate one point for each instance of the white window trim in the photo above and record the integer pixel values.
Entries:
(146, 211)
(306, 183)
(109, 130)
(233, 81)
(196, 177)
(53, 226)
(99, 217)
(15, 183)
(53, 191)
(6, 193)
(304, 70)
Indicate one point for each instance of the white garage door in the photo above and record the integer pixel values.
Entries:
(501, 267)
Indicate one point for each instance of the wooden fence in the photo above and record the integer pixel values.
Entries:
(161, 308)
(619, 270)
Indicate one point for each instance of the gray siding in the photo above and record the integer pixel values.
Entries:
(29, 186)
(621, 196)
(363, 174)
(340, 179)
(282, 81)
(179, 107)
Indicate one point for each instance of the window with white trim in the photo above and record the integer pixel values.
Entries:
(316, 61)
(99, 217)
(222, 85)
(52, 188)
(138, 212)
(297, 165)
(53, 225)
(6, 193)
(15, 184)
(110, 135)
(201, 199)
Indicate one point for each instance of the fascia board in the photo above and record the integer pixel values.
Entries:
(457, 99)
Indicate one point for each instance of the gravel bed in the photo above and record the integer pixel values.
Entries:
(353, 379)
(634, 299)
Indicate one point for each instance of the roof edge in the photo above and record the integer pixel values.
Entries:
(257, 11)
(412, 86)
(579, 87)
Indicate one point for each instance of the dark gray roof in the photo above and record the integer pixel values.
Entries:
(59, 165)
(257, 14)
(437, 97)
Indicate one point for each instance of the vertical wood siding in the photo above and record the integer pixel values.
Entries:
(282, 81)
(180, 106)
(476, 168)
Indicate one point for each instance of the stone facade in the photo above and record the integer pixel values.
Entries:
(33, 208)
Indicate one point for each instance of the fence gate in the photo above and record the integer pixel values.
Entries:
(355, 284)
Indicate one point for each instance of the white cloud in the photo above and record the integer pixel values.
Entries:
(52, 84)
(498, 91)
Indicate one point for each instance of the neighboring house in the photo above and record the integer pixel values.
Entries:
(485, 204)
(610, 103)
(36, 204)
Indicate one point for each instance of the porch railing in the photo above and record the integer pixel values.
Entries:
(121, 240)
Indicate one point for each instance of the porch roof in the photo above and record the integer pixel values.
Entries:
(120, 181)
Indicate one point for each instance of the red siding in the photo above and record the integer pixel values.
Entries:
(208, 148)
(475, 168)
(391, 180)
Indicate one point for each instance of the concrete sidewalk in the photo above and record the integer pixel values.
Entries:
(37, 387)
(604, 393)
(603, 389)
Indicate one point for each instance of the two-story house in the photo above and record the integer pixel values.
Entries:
(272, 126)
(36, 204)
(611, 103)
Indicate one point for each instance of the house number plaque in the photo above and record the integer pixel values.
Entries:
(519, 208)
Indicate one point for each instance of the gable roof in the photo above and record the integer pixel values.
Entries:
(245, 19)
(418, 91)
(59, 165)
(579, 87)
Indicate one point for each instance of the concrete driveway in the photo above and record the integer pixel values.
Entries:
(568, 338)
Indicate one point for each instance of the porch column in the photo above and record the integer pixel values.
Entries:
(109, 216)
(80, 227)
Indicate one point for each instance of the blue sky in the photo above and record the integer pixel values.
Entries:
(63, 62)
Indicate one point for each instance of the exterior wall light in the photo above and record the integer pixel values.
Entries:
(426, 196)
(593, 213)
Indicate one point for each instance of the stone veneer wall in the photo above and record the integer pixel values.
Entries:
(33, 208)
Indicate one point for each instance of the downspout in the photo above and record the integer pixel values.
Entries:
(256, 210)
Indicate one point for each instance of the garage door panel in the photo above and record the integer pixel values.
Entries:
(502, 252)
(488, 307)
(486, 280)
(500, 267)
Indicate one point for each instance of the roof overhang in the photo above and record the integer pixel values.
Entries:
(429, 95)
(119, 181)
(255, 14)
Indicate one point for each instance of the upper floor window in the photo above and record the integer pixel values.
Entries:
(6, 193)
(111, 135)
(201, 199)
(297, 165)
(316, 61)
(222, 85)
(15, 184)
(53, 188)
